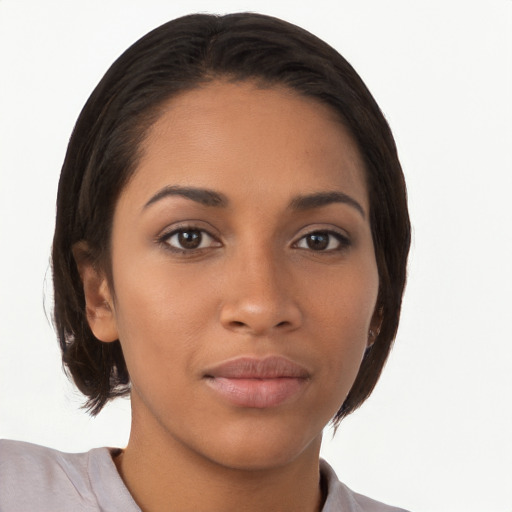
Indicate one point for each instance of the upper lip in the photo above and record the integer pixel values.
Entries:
(271, 367)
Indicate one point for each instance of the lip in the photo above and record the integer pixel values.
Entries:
(257, 383)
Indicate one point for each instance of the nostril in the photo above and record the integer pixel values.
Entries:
(251, 317)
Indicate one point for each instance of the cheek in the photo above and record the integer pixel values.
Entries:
(159, 318)
(348, 296)
(344, 314)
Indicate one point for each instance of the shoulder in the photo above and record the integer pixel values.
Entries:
(33, 477)
(341, 498)
(19, 455)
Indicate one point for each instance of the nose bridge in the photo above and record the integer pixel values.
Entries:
(260, 297)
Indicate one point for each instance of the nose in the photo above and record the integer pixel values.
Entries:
(260, 298)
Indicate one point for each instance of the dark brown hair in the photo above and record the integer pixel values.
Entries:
(103, 153)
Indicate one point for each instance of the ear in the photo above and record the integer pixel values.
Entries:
(375, 325)
(99, 306)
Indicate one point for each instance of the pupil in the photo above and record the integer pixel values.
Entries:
(318, 241)
(190, 239)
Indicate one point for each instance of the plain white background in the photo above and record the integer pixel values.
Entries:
(436, 434)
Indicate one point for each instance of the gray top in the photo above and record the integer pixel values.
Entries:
(37, 478)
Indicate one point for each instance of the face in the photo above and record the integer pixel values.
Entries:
(244, 274)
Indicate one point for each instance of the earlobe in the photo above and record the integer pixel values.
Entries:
(99, 305)
(375, 326)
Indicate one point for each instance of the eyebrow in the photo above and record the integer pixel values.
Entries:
(319, 199)
(211, 198)
(203, 196)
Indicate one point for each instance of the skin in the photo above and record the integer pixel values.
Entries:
(255, 287)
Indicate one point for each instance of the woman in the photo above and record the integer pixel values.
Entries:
(230, 249)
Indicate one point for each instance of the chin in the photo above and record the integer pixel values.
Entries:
(262, 447)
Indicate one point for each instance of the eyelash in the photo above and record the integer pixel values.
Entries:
(343, 242)
(166, 238)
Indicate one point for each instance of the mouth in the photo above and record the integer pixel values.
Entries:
(257, 383)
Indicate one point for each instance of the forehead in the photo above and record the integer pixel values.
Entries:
(242, 136)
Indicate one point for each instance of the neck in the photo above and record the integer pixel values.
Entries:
(163, 474)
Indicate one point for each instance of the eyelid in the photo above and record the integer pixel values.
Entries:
(164, 237)
(340, 235)
(192, 224)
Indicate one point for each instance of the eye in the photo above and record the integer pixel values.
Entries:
(189, 239)
(323, 241)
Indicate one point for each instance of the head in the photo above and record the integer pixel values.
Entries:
(106, 147)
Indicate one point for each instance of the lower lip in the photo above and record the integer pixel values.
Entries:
(257, 393)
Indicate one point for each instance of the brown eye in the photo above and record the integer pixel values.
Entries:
(190, 239)
(318, 241)
(323, 241)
